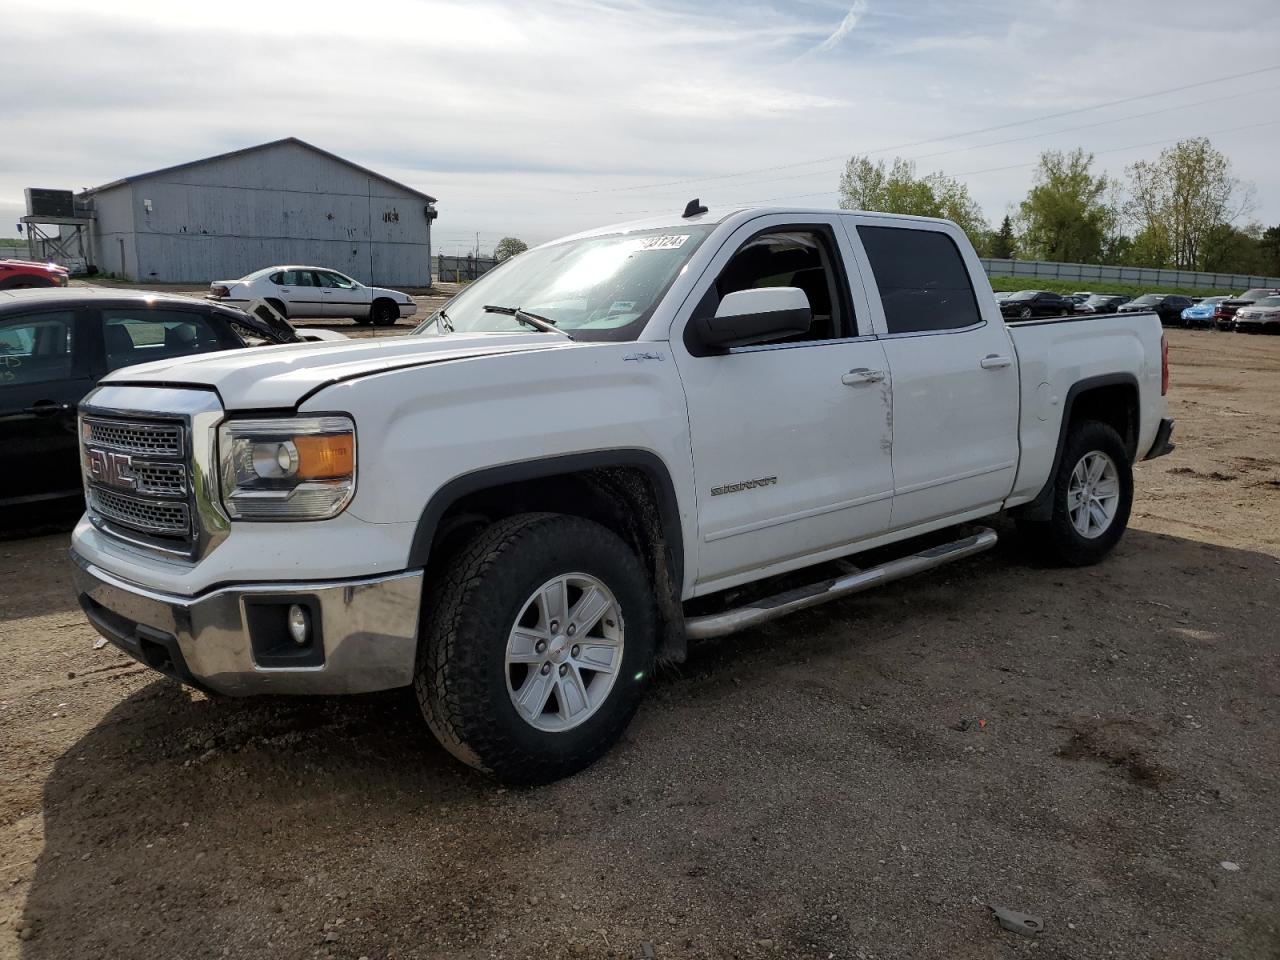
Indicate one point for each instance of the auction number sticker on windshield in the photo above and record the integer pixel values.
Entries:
(674, 242)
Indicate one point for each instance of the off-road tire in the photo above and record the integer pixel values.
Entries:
(461, 681)
(1056, 541)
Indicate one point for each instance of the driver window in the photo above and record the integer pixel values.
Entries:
(791, 258)
(335, 280)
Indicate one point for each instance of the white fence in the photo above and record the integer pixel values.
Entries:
(1147, 276)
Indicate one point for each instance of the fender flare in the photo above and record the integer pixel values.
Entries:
(654, 468)
(1041, 508)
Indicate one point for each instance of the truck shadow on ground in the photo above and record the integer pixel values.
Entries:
(188, 825)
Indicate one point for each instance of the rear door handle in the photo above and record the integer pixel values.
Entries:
(862, 375)
(994, 362)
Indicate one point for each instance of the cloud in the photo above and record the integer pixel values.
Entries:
(856, 10)
(537, 120)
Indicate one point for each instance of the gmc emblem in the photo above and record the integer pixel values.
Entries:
(111, 469)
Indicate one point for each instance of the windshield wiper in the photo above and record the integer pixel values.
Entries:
(528, 319)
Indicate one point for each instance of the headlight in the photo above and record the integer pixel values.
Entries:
(301, 468)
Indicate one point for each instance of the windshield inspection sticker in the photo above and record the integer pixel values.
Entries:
(674, 242)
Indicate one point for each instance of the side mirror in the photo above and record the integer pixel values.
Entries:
(755, 316)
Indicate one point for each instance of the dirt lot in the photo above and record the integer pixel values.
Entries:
(804, 790)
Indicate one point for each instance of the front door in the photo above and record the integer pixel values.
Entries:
(791, 439)
(955, 377)
(42, 379)
(342, 296)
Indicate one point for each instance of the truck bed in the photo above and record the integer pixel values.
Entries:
(1058, 355)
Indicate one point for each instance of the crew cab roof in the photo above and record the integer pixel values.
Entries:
(674, 222)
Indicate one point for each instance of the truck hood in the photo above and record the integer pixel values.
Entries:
(280, 376)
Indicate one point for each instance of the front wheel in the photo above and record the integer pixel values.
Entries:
(537, 648)
(1092, 497)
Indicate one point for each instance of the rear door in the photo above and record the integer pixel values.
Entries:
(43, 376)
(955, 379)
(137, 334)
(790, 439)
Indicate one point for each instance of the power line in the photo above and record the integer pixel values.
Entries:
(1033, 136)
(950, 136)
(973, 173)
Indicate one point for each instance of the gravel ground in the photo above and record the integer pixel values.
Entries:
(1096, 747)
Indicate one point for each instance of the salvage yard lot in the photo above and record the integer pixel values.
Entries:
(818, 787)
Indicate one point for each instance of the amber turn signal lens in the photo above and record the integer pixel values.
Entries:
(325, 457)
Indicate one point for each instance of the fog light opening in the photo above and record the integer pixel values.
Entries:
(299, 624)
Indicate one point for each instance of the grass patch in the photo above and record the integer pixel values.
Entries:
(1011, 284)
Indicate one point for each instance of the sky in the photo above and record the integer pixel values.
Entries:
(537, 119)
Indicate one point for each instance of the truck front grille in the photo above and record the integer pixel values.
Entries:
(138, 481)
(159, 517)
(162, 440)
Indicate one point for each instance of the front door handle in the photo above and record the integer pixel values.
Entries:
(994, 362)
(47, 408)
(862, 375)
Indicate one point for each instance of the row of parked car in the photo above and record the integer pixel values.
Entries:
(1255, 310)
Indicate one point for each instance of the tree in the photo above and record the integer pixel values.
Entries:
(1002, 243)
(1269, 249)
(865, 185)
(1066, 215)
(1149, 248)
(1185, 193)
(1231, 249)
(508, 247)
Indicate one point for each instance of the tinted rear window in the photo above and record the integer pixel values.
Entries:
(922, 279)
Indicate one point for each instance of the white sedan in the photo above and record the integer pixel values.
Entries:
(298, 292)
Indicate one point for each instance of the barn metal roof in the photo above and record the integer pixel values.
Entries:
(261, 146)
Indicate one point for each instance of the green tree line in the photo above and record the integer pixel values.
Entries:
(1184, 209)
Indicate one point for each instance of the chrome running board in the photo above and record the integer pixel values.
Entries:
(802, 598)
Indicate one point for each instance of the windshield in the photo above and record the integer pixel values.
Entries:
(1257, 294)
(1024, 295)
(1149, 299)
(1269, 302)
(1096, 299)
(597, 288)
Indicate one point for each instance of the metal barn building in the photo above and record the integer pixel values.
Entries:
(278, 203)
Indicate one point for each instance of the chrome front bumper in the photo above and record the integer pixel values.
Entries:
(233, 641)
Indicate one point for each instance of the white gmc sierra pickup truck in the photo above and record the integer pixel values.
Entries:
(606, 446)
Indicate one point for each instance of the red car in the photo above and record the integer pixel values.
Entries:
(21, 274)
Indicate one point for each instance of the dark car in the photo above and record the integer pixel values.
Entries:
(1026, 304)
(1104, 303)
(1168, 306)
(56, 344)
(1224, 314)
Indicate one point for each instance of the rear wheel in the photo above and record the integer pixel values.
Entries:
(1025, 313)
(1092, 497)
(384, 313)
(537, 647)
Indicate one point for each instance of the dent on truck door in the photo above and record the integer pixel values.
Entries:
(955, 397)
(791, 438)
